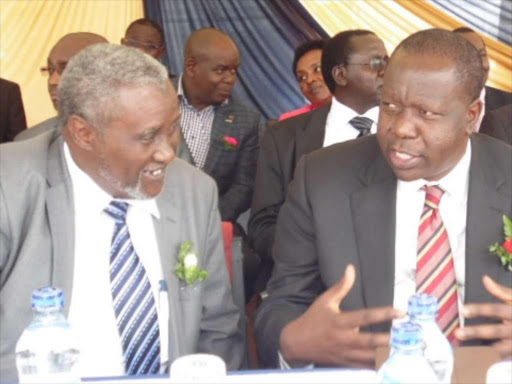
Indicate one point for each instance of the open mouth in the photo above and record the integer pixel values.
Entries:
(404, 160)
(155, 173)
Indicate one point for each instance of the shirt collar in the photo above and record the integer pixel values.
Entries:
(343, 114)
(455, 183)
(89, 194)
(183, 98)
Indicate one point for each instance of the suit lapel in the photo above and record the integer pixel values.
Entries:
(373, 215)
(489, 199)
(168, 234)
(223, 123)
(311, 135)
(59, 201)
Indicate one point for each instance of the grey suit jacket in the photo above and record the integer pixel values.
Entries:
(340, 209)
(52, 124)
(37, 249)
(281, 149)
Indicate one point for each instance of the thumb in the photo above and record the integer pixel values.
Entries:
(497, 290)
(338, 291)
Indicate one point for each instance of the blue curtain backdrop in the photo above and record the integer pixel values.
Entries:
(266, 33)
(493, 17)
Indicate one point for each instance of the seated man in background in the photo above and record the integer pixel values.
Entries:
(67, 47)
(354, 211)
(148, 36)
(492, 98)
(112, 176)
(221, 132)
(307, 69)
(12, 113)
(353, 64)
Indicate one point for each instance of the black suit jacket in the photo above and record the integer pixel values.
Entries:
(341, 209)
(498, 124)
(495, 98)
(281, 149)
(12, 114)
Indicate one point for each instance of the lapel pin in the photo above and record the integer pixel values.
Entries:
(230, 119)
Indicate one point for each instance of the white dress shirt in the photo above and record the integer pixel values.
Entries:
(91, 312)
(409, 205)
(337, 126)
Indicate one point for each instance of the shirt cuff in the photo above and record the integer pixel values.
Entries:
(283, 364)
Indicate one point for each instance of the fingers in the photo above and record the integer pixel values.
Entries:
(492, 310)
(487, 331)
(339, 291)
(497, 290)
(504, 348)
(364, 317)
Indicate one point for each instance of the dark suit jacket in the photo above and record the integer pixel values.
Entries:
(12, 114)
(233, 170)
(498, 124)
(281, 149)
(495, 98)
(341, 209)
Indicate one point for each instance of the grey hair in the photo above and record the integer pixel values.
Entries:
(92, 79)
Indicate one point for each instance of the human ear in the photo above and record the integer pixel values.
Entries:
(190, 66)
(81, 132)
(472, 115)
(339, 75)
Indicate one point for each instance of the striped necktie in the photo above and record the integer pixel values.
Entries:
(435, 271)
(134, 304)
(362, 124)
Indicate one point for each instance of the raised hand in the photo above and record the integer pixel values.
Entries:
(501, 332)
(324, 334)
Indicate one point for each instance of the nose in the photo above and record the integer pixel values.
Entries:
(403, 125)
(165, 151)
(54, 78)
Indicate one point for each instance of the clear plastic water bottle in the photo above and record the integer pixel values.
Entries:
(406, 364)
(46, 352)
(438, 350)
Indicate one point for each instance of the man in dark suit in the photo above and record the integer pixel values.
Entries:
(494, 98)
(12, 113)
(356, 90)
(221, 132)
(67, 46)
(353, 211)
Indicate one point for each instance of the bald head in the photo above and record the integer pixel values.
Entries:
(201, 42)
(67, 47)
(211, 65)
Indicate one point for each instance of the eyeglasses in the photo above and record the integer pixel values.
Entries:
(376, 64)
(140, 44)
(50, 69)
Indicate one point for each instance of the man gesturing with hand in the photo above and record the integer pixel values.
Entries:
(340, 339)
(410, 210)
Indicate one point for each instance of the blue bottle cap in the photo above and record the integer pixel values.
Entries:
(423, 305)
(47, 298)
(407, 335)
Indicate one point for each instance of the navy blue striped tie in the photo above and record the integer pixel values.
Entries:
(134, 303)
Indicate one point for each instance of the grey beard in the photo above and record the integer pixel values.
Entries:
(134, 192)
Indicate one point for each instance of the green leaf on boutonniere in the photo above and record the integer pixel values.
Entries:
(186, 268)
(507, 226)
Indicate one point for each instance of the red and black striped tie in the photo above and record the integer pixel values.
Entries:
(435, 271)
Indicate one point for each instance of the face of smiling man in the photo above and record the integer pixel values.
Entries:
(133, 151)
(425, 117)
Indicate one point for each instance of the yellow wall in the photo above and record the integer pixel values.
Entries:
(30, 28)
(394, 20)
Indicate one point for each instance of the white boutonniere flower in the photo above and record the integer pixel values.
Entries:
(186, 268)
